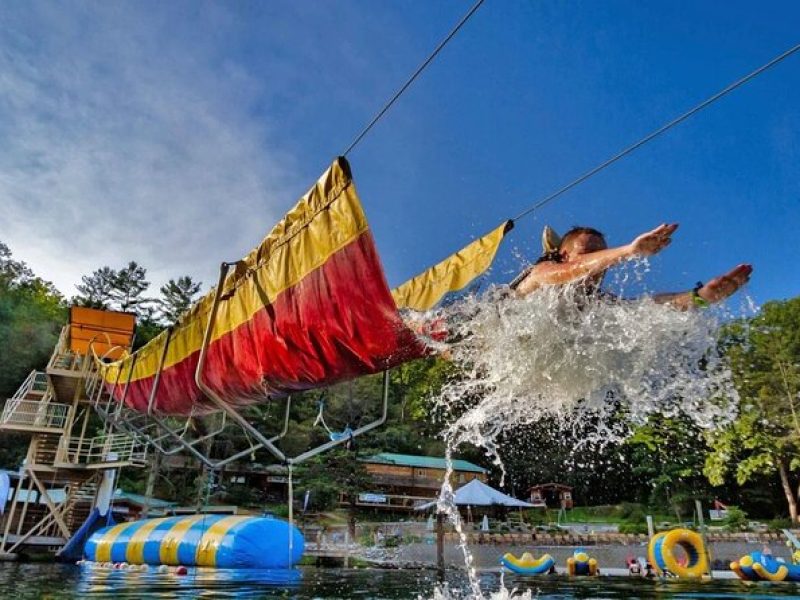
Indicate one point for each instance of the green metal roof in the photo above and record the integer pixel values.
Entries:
(151, 502)
(424, 462)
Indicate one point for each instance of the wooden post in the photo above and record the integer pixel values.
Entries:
(347, 548)
(440, 516)
(10, 515)
(702, 527)
(52, 507)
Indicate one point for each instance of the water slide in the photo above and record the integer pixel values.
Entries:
(73, 549)
(307, 308)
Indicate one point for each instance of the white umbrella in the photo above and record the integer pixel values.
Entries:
(485, 523)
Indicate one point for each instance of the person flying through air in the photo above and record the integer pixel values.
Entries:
(582, 256)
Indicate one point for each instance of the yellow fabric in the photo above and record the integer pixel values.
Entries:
(103, 552)
(209, 544)
(425, 290)
(134, 552)
(168, 551)
(325, 220)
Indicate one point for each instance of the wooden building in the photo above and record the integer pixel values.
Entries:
(402, 481)
(551, 494)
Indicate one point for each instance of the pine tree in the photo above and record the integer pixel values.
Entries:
(177, 297)
(128, 285)
(95, 289)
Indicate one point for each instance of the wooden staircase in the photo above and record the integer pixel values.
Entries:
(44, 450)
(58, 482)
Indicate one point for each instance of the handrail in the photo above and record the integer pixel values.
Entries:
(113, 447)
(30, 384)
(33, 413)
(57, 351)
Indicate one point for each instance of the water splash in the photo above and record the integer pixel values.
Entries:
(560, 354)
(445, 592)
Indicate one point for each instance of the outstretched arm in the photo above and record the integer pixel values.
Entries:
(715, 290)
(595, 263)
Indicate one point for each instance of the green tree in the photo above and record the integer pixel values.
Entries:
(765, 437)
(667, 458)
(129, 283)
(176, 297)
(32, 313)
(94, 290)
(339, 472)
(122, 289)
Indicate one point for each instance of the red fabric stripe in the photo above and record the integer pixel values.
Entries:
(338, 323)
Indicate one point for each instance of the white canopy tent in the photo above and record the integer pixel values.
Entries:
(477, 493)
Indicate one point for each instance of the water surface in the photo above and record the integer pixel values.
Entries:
(19, 580)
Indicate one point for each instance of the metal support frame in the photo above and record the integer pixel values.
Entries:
(125, 419)
(127, 384)
(151, 400)
(242, 421)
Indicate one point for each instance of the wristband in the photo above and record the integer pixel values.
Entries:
(697, 299)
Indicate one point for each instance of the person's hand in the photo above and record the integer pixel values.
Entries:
(723, 286)
(654, 241)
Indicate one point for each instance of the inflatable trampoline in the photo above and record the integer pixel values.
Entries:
(221, 541)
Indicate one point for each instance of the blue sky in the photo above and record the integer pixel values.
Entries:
(177, 134)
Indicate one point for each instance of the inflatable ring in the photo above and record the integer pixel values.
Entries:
(661, 553)
(527, 565)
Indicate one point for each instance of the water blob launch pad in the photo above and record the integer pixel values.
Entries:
(220, 541)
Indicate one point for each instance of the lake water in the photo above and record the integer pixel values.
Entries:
(40, 580)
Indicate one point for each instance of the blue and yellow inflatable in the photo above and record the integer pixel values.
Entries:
(662, 555)
(580, 563)
(226, 542)
(527, 565)
(759, 567)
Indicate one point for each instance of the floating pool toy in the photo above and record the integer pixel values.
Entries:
(219, 541)
(759, 567)
(581, 564)
(527, 564)
(661, 553)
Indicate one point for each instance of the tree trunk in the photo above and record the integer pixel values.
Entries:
(152, 477)
(787, 490)
(351, 520)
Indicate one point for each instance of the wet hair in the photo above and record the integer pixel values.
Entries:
(579, 230)
(555, 256)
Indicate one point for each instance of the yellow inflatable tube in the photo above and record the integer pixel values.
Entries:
(661, 553)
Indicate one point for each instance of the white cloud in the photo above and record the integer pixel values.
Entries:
(128, 135)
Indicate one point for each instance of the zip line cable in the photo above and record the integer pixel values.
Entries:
(411, 79)
(658, 132)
